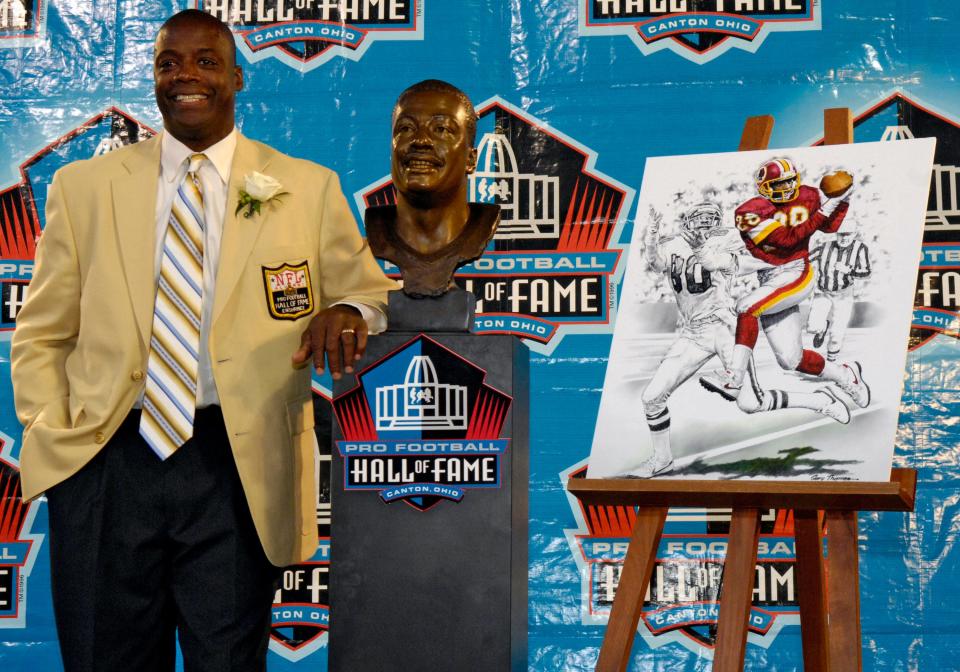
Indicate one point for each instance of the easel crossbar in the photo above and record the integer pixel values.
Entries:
(897, 494)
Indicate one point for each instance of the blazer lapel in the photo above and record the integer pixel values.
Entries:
(239, 232)
(134, 203)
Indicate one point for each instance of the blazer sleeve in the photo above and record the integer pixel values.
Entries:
(348, 271)
(49, 321)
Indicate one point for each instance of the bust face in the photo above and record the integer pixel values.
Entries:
(432, 154)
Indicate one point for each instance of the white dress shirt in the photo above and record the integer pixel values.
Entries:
(214, 175)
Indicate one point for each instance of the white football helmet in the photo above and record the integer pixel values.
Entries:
(702, 221)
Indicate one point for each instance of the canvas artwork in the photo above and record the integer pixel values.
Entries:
(764, 317)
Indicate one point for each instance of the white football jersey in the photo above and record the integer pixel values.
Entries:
(701, 280)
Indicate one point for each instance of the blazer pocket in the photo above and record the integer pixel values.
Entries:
(55, 413)
(77, 412)
(300, 415)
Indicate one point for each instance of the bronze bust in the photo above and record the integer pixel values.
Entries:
(432, 230)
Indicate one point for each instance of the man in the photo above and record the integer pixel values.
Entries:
(701, 263)
(839, 263)
(159, 371)
(776, 227)
(432, 230)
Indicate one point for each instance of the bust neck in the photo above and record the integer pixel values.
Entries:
(429, 229)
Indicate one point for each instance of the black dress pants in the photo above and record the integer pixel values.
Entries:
(143, 551)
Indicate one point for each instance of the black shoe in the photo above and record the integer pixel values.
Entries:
(820, 336)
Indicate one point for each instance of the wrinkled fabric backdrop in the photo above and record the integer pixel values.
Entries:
(573, 97)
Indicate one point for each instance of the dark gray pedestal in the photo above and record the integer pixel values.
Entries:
(442, 589)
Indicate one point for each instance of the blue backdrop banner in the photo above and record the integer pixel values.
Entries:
(573, 96)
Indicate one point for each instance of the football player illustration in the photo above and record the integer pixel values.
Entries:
(776, 228)
(701, 263)
(840, 262)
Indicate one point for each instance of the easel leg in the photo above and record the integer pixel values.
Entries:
(628, 603)
(843, 594)
(810, 591)
(739, 572)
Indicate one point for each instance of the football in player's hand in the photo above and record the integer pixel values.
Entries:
(836, 183)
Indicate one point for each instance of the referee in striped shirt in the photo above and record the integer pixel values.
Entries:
(838, 263)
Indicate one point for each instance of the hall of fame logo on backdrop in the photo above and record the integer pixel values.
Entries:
(22, 23)
(698, 30)
(305, 34)
(22, 205)
(422, 427)
(901, 116)
(553, 265)
(18, 546)
(681, 605)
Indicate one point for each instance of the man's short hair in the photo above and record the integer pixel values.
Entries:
(445, 87)
(198, 16)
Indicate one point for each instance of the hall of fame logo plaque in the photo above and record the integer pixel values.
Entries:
(422, 427)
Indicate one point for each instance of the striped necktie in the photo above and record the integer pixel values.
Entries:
(170, 400)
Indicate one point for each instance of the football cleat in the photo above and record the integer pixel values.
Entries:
(722, 382)
(778, 180)
(650, 467)
(834, 407)
(856, 387)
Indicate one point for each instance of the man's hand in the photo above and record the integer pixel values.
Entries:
(328, 331)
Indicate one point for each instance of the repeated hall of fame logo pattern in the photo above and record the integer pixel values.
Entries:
(305, 34)
(554, 263)
(698, 30)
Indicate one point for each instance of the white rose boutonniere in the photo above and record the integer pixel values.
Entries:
(257, 190)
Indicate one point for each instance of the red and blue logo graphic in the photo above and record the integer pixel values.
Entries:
(422, 427)
(305, 35)
(901, 116)
(18, 546)
(698, 30)
(681, 606)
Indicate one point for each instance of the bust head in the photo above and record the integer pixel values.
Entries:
(434, 128)
(432, 230)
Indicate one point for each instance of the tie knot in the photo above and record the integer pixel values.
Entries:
(195, 161)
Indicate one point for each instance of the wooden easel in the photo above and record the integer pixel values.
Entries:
(835, 648)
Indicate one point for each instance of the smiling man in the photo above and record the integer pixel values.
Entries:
(182, 284)
(432, 230)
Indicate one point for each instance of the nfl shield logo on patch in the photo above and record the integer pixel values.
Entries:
(288, 291)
